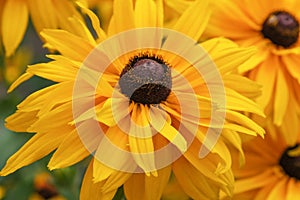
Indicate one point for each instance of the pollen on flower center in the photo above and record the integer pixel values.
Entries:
(146, 80)
(281, 28)
(291, 164)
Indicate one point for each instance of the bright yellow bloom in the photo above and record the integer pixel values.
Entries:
(14, 15)
(272, 167)
(273, 27)
(146, 102)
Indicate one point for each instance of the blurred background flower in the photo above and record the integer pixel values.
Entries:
(272, 169)
(273, 27)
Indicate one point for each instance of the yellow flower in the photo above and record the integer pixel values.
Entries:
(146, 101)
(273, 27)
(14, 15)
(43, 185)
(272, 167)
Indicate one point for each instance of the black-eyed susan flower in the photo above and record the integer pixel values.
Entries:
(272, 169)
(14, 15)
(273, 27)
(44, 188)
(145, 101)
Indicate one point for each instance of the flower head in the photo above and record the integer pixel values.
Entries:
(144, 100)
(272, 167)
(273, 27)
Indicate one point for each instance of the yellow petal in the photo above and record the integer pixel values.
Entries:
(210, 143)
(195, 184)
(235, 101)
(64, 10)
(95, 22)
(150, 187)
(118, 159)
(58, 93)
(43, 14)
(142, 150)
(65, 155)
(163, 126)
(207, 165)
(145, 14)
(246, 87)
(14, 23)
(178, 5)
(40, 145)
(53, 71)
(122, 23)
(21, 121)
(279, 190)
(194, 20)
(291, 61)
(235, 140)
(113, 111)
(21, 79)
(90, 190)
(281, 98)
(292, 190)
(265, 74)
(244, 121)
(240, 129)
(67, 44)
(226, 54)
(60, 116)
(79, 27)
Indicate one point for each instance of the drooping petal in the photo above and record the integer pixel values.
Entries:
(140, 139)
(150, 187)
(195, 184)
(90, 190)
(113, 155)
